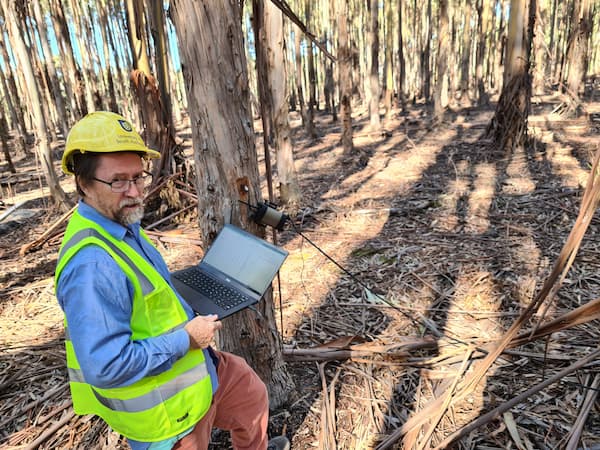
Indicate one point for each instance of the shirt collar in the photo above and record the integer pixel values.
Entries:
(115, 229)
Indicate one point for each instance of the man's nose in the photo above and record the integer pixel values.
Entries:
(133, 185)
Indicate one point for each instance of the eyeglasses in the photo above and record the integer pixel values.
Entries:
(119, 186)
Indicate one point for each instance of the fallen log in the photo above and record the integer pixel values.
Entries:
(49, 233)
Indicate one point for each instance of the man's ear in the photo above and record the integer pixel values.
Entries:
(81, 188)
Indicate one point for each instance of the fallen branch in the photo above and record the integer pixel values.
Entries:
(50, 431)
(170, 216)
(176, 239)
(341, 349)
(49, 233)
(585, 313)
(51, 393)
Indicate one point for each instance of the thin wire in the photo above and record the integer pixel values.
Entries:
(361, 283)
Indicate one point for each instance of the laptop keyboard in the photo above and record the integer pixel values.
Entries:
(223, 296)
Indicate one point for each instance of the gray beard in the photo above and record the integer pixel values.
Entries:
(126, 218)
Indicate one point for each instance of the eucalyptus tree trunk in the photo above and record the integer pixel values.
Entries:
(389, 50)
(137, 35)
(496, 43)
(35, 52)
(508, 127)
(71, 73)
(541, 61)
(465, 72)
(152, 97)
(289, 189)
(9, 86)
(345, 74)
(551, 67)
(215, 71)
(109, 74)
(49, 64)
(43, 146)
(312, 78)
(265, 99)
(483, 16)
(299, 75)
(441, 87)
(4, 141)
(401, 61)
(329, 91)
(373, 65)
(425, 61)
(577, 56)
(89, 85)
(162, 69)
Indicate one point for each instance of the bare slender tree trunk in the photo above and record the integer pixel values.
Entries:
(577, 56)
(10, 91)
(49, 62)
(71, 74)
(345, 70)
(299, 75)
(389, 65)
(88, 85)
(373, 64)
(265, 100)
(483, 13)
(540, 50)
(508, 127)
(465, 72)
(442, 63)
(289, 189)
(401, 62)
(312, 79)
(551, 67)
(4, 141)
(160, 42)
(425, 61)
(137, 35)
(210, 41)
(106, 45)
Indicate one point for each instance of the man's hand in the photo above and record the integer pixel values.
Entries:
(202, 330)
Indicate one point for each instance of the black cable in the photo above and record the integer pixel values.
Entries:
(350, 274)
(414, 321)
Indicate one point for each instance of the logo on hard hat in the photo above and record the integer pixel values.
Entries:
(125, 125)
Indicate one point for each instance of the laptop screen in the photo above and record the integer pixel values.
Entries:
(243, 256)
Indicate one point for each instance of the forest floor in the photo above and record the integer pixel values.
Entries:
(453, 239)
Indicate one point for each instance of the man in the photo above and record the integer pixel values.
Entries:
(136, 355)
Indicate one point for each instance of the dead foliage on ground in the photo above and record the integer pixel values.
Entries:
(464, 310)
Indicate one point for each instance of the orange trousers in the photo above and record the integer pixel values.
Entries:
(240, 406)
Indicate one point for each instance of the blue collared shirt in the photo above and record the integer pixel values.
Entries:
(96, 297)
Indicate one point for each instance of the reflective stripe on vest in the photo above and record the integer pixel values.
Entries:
(145, 283)
(152, 398)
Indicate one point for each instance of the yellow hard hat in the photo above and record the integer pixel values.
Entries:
(103, 132)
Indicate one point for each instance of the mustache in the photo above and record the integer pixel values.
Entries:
(131, 202)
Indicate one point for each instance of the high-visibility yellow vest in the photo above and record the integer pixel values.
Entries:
(156, 407)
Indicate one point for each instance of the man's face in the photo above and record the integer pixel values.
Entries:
(123, 207)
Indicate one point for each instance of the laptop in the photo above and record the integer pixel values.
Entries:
(234, 273)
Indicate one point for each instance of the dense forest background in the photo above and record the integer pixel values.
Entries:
(61, 60)
(438, 161)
